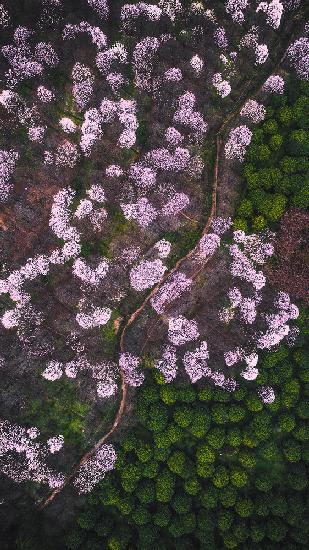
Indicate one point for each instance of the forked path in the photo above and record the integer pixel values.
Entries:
(214, 198)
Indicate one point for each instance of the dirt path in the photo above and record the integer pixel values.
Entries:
(132, 319)
(124, 388)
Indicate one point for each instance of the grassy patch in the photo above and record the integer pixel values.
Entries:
(59, 411)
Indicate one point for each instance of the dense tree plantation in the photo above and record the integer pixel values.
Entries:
(154, 345)
(276, 167)
(203, 468)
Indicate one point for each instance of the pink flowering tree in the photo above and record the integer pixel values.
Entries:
(146, 274)
(274, 84)
(236, 9)
(273, 11)
(298, 56)
(8, 160)
(94, 470)
(22, 458)
(239, 139)
(181, 330)
(254, 111)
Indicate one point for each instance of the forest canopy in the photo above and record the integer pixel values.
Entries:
(154, 190)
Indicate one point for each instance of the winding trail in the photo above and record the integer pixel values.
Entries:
(129, 322)
(214, 199)
(132, 319)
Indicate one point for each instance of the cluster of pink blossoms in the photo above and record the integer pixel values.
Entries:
(250, 372)
(124, 109)
(60, 224)
(96, 193)
(254, 111)
(13, 285)
(267, 394)
(45, 53)
(298, 55)
(97, 219)
(235, 8)
(196, 367)
(142, 176)
(91, 130)
(182, 330)
(239, 139)
(169, 291)
(163, 159)
(185, 115)
(94, 469)
(100, 6)
(223, 87)
(27, 116)
(220, 38)
(164, 247)
(273, 11)
(274, 84)
(23, 62)
(116, 81)
(255, 251)
(4, 16)
(88, 275)
(115, 54)
(97, 36)
(177, 203)
(238, 354)
(83, 80)
(173, 136)
(53, 371)
(173, 75)
(146, 274)
(66, 155)
(261, 52)
(167, 364)
(171, 8)
(55, 443)
(104, 373)
(67, 125)
(247, 307)
(244, 269)
(36, 133)
(257, 247)
(130, 12)
(277, 323)
(22, 459)
(8, 161)
(106, 386)
(221, 225)
(130, 366)
(143, 56)
(44, 94)
(197, 64)
(114, 171)
(11, 318)
(250, 40)
(141, 211)
(60, 215)
(208, 244)
(98, 317)
(195, 362)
